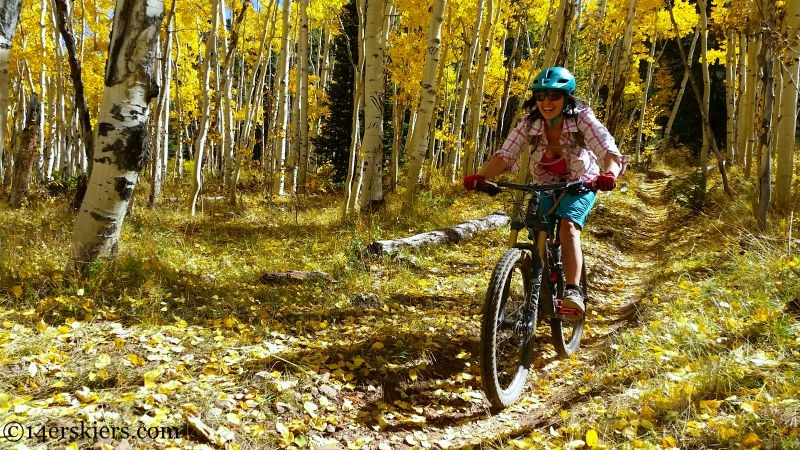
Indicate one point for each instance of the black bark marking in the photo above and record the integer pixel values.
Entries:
(124, 188)
(132, 150)
(104, 128)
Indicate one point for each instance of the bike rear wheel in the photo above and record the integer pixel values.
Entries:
(567, 333)
(507, 328)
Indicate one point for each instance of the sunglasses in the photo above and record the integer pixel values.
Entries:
(552, 95)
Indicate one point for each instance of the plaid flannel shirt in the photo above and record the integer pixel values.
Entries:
(583, 163)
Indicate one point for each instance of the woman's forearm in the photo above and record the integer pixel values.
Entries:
(611, 163)
(493, 167)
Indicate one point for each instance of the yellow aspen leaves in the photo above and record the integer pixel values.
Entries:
(592, 440)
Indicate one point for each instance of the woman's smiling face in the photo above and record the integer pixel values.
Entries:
(550, 103)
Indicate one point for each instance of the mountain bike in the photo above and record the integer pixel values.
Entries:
(526, 288)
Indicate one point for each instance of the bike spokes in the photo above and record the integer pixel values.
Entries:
(507, 329)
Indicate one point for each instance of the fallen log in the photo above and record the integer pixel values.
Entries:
(450, 235)
(292, 276)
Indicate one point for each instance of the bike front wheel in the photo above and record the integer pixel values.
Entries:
(507, 328)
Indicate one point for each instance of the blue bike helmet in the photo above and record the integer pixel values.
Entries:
(555, 78)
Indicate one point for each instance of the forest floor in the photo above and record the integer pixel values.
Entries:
(622, 250)
(187, 338)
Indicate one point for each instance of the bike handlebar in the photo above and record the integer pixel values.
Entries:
(493, 188)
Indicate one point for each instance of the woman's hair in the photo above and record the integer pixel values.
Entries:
(570, 105)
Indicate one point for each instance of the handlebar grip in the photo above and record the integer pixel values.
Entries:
(491, 189)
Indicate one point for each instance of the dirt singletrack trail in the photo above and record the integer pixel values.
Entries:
(623, 244)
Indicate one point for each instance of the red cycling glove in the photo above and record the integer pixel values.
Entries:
(605, 182)
(474, 182)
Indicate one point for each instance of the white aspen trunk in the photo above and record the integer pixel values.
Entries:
(60, 119)
(623, 68)
(302, 99)
(706, 85)
(767, 8)
(161, 123)
(205, 109)
(352, 183)
(51, 152)
(322, 68)
(156, 158)
(454, 158)
(397, 123)
(650, 63)
(25, 154)
(593, 78)
(436, 159)
(668, 129)
(741, 104)
(121, 130)
(9, 16)
(282, 88)
(375, 93)
(229, 130)
(556, 36)
(513, 60)
(252, 104)
(44, 97)
(418, 143)
(730, 95)
(182, 134)
(751, 99)
(472, 144)
(785, 134)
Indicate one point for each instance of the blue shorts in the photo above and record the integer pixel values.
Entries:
(572, 207)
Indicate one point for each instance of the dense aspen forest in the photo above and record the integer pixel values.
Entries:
(204, 204)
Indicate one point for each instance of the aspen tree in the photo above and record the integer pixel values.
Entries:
(121, 141)
(785, 141)
(730, 94)
(466, 75)
(205, 109)
(160, 128)
(698, 97)
(228, 131)
(26, 153)
(9, 15)
(63, 14)
(281, 145)
(706, 103)
(513, 61)
(253, 100)
(679, 98)
(353, 180)
(555, 54)
(650, 63)
(374, 92)
(43, 91)
(621, 75)
(418, 143)
(748, 102)
(765, 58)
(302, 100)
(476, 100)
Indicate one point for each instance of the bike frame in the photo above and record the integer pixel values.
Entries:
(542, 241)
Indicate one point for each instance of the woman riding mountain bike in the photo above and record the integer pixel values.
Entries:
(568, 144)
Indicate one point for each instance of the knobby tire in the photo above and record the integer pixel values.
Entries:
(506, 332)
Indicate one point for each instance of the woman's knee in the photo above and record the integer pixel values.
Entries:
(569, 230)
